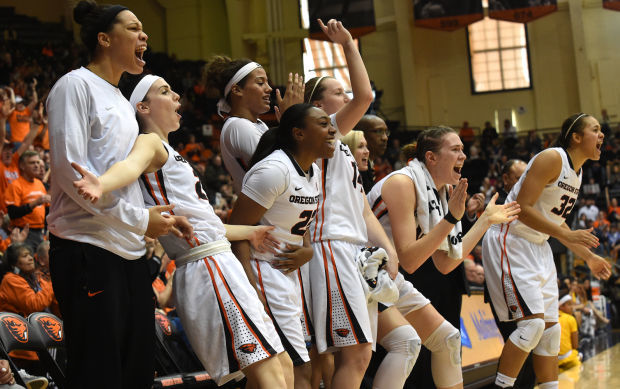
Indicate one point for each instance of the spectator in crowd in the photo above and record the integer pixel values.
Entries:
(569, 339)
(475, 169)
(376, 133)
(511, 172)
(489, 133)
(26, 199)
(24, 291)
(19, 118)
(510, 131)
(9, 164)
(467, 136)
(613, 209)
(590, 210)
(533, 144)
(592, 188)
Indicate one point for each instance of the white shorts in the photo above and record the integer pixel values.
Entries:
(223, 316)
(409, 298)
(282, 293)
(520, 275)
(303, 278)
(340, 312)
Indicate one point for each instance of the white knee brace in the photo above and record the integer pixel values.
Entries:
(405, 342)
(445, 346)
(549, 344)
(528, 333)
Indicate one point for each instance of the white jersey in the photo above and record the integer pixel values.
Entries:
(555, 202)
(340, 215)
(238, 141)
(278, 184)
(176, 183)
(377, 205)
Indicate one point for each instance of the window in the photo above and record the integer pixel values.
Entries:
(498, 56)
(323, 58)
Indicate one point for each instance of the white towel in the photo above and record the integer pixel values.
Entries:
(432, 206)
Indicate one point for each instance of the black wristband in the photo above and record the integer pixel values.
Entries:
(450, 218)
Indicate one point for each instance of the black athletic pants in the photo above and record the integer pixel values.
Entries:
(107, 306)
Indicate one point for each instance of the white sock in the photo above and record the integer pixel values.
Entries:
(549, 385)
(504, 381)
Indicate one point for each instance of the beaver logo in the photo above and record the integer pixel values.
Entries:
(342, 332)
(164, 323)
(52, 327)
(17, 328)
(248, 348)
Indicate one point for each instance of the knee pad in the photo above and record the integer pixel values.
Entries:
(549, 344)
(403, 340)
(528, 333)
(445, 346)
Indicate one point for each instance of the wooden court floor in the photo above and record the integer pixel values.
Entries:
(601, 371)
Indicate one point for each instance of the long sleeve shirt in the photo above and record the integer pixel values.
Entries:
(91, 123)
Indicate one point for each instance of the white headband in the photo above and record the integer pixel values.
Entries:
(572, 124)
(222, 105)
(311, 95)
(565, 299)
(139, 92)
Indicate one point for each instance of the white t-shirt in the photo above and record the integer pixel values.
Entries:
(92, 124)
(238, 141)
(290, 196)
(176, 183)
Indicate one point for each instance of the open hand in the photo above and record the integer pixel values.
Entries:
(600, 268)
(89, 187)
(262, 241)
(335, 31)
(498, 213)
(458, 196)
(294, 258)
(294, 94)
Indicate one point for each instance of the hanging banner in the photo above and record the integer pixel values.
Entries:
(612, 4)
(521, 11)
(358, 16)
(447, 15)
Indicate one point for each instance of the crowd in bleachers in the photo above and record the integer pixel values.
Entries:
(27, 72)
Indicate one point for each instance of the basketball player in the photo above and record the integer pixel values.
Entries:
(100, 279)
(344, 224)
(219, 309)
(282, 189)
(415, 199)
(520, 271)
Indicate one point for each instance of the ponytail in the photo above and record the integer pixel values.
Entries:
(281, 137)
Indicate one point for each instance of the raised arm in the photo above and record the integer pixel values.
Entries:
(147, 155)
(348, 116)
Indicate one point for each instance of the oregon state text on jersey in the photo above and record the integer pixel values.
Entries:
(555, 202)
(177, 183)
(278, 184)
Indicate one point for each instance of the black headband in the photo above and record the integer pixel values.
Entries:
(108, 16)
